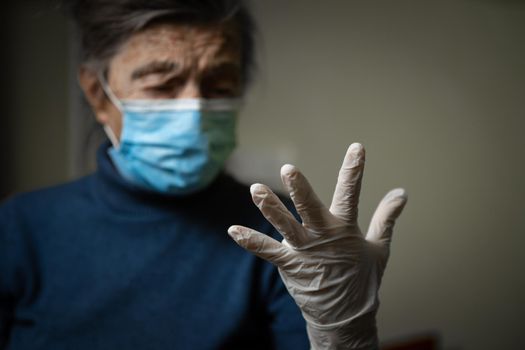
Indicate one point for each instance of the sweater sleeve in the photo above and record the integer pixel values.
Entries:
(6, 299)
(287, 323)
(288, 326)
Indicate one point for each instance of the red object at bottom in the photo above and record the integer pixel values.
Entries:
(415, 343)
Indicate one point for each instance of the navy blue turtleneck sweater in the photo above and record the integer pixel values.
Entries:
(99, 264)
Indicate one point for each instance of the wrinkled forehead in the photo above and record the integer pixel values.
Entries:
(189, 36)
(199, 45)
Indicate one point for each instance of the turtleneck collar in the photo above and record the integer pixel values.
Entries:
(123, 197)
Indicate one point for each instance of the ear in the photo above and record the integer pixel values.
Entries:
(95, 95)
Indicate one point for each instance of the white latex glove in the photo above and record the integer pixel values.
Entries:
(331, 270)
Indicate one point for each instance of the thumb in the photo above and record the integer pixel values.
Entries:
(388, 210)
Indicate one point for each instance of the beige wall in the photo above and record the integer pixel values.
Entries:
(435, 91)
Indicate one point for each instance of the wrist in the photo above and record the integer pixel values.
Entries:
(358, 333)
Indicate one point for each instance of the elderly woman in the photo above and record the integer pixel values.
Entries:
(136, 255)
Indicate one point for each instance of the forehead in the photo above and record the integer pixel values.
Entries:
(187, 44)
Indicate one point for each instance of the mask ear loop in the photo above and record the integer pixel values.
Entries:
(111, 135)
(109, 93)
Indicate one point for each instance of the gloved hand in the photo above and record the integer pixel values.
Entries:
(331, 270)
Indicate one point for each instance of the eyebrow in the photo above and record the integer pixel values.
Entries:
(155, 67)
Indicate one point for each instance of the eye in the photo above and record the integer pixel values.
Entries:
(166, 88)
(221, 84)
(222, 92)
(220, 89)
(160, 91)
(162, 88)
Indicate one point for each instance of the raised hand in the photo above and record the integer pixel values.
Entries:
(329, 267)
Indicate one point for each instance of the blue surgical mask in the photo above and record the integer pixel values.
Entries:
(175, 146)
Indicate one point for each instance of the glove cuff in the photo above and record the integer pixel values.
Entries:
(359, 333)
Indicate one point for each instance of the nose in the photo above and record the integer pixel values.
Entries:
(190, 90)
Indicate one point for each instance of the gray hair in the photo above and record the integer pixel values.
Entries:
(104, 25)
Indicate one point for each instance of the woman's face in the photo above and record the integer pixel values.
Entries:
(168, 61)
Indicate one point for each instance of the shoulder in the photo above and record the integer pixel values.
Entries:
(45, 201)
